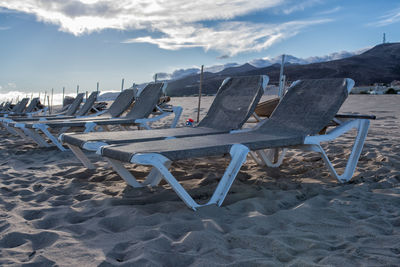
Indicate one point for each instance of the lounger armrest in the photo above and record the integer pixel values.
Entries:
(356, 116)
(33, 113)
(61, 113)
(93, 115)
(241, 130)
(336, 132)
(144, 122)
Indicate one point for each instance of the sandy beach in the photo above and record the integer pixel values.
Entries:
(54, 212)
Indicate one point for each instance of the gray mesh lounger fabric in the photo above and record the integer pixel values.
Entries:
(122, 103)
(33, 105)
(75, 105)
(234, 103)
(200, 146)
(30, 108)
(304, 110)
(117, 137)
(20, 107)
(84, 110)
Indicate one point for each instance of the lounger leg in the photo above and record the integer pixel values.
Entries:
(36, 137)
(155, 177)
(10, 129)
(158, 161)
(272, 157)
(362, 130)
(256, 158)
(89, 126)
(124, 173)
(64, 129)
(81, 156)
(144, 125)
(238, 153)
(44, 128)
(21, 134)
(177, 111)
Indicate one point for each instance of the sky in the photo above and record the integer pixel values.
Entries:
(48, 44)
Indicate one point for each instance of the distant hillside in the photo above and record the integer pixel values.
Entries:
(381, 64)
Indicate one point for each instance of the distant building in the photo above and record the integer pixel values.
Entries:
(395, 84)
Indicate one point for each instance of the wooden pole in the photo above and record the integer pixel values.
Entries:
(63, 96)
(45, 94)
(52, 93)
(77, 89)
(97, 90)
(122, 84)
(281, 82)
(200, 89)
(48, 102)
(155, 78)
(86, 94)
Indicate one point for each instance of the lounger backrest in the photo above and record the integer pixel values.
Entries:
(88, 104)
(121, 103)
(75, 104)
(234, 103)
(18, 108)
(34, 103)
(6, 106)
(308, 106)
(146, 101)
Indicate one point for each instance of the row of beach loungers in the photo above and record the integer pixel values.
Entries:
(299, 121)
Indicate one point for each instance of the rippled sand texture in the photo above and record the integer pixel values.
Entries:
(55, 212)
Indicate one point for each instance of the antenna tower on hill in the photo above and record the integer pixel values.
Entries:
(384, 38)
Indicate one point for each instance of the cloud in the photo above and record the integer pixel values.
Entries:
(294, 6)
(223, 56)
(11, 85)
(389, 18)
(173, 24)
(330, 11)
(8, 86)
(4, 28)
(229, 38)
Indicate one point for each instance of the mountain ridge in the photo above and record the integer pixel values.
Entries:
(380, 64)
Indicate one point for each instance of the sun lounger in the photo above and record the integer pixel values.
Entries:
(138, 116)
(31, 109)
(74, 110)
(233, 104)
(17, 125)
(8, 121)
(308, 106)
(6, 107)
(18, 108)
(71, 110)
